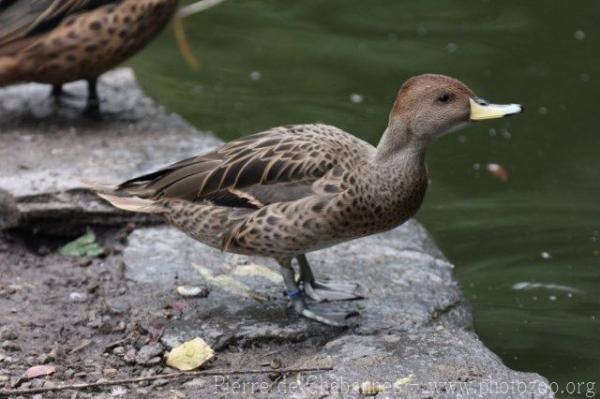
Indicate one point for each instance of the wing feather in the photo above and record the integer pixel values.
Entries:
(277, 165)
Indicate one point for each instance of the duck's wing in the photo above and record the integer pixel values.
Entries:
(21, 18)
(281, 164)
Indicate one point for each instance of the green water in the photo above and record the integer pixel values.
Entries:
(267, 62)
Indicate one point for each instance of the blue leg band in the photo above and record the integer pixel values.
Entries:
(295, 294)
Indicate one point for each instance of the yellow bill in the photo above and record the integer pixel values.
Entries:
(481, 110)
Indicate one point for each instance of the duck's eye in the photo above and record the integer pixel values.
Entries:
(445, 98)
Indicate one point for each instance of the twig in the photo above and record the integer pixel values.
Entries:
(272, 352)
(115, 343)
(81, 346)
(180, 36)
(188, 374)
(197, 7)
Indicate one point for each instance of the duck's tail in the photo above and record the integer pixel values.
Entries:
(8, 70)
(124, 201)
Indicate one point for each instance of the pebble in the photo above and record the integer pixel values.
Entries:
(14, 288)
(78, 297)
(10, 346)
(170, 340)
(275, 363)
(118, 391)
(49, 384)
(190, 291)
(154, 361)
(120, 327)
(175, 394)
(36, 383)
(85, 262)
(110, 372)
(69, 373)
(195, 383)
(119, 350)
(117, 306)
(160, 382)
(147, 354)
(42, 359)
(147, 373)
(7, 334)
(129, 356)
(93, 286)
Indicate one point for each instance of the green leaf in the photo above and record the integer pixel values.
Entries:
(84, 246)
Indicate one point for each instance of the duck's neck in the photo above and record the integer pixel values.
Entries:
(398, 171)
(400, 149)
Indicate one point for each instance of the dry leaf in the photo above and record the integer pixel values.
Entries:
(258, 270)
(403, 381)
(228, 283)
(498, 171)
(190, 355)
(39, 371)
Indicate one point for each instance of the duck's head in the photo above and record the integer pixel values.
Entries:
(429, 106)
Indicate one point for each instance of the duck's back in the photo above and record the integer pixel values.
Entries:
(267, 193)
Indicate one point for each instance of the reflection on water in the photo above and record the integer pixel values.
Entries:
(518, 243)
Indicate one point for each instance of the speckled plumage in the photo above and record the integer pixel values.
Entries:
(296, 189)
(299, 188)
(59, 41)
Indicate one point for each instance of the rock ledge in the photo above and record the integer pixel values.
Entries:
(414, 335)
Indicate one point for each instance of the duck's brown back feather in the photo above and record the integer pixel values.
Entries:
(278, 165)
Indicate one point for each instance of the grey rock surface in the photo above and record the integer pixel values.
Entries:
(413, 335)
(60, 150)
(9, 211)
(414, 329)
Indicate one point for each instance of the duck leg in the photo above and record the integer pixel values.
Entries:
(57, 91)
(93, 103)
(296, 296)
(324, 291)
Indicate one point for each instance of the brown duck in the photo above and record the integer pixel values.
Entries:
(296, 189)
(60, 41)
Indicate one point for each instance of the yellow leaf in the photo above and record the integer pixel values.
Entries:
(258, 270)
(403, 381)
(190, 355)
